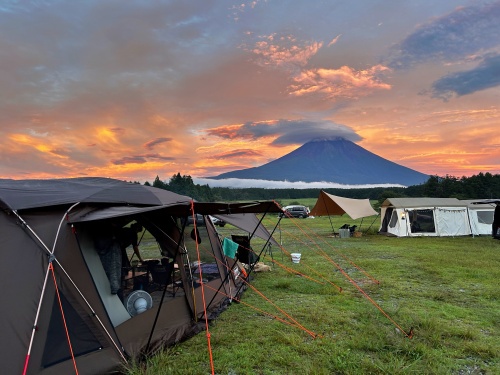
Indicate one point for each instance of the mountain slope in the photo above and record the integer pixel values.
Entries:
(340, 161)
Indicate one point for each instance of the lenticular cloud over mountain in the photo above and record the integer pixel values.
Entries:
(268, 184)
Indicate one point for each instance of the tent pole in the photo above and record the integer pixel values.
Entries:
(230, 271)
(260, 221)
(52, 258)
(272, 232)
(138, 243)
(234, 263)
(252, 266)
(163, 294)
(470, 224)
(372, 222)
(34, 329)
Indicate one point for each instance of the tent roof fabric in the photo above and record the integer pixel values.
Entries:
(29, 194)
(214, 208)
(328, 204)
(475, 202)
(422, 202)
(26, 194)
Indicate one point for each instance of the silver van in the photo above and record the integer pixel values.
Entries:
(295, 211)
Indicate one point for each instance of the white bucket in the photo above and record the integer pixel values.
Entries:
(296, 257)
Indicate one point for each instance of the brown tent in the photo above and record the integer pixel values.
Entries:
(60, 314)
(328, 204)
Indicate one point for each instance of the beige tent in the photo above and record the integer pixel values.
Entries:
(328, 204)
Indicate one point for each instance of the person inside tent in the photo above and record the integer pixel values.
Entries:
(496, 222)
(128, 236)
(108, 248)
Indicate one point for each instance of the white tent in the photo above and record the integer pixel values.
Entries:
(480, 216)
(417, 217)
(413, 217)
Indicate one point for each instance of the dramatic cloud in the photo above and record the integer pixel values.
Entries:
(285, 132)
(135, 89)
(287, 53)
(344, 82)
(486, 75)
(463, 32)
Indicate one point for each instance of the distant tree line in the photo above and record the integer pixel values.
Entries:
(481, 186)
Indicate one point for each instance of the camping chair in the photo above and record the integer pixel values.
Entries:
(244, 253)
(162, 274)
(352, 229)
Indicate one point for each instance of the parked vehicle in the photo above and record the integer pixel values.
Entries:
(201, 222)
(217, 222)
(295, 211)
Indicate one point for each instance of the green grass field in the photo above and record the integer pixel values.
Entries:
(446, 289)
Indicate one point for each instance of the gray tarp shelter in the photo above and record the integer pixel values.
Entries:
(61, 316)
(250, 223)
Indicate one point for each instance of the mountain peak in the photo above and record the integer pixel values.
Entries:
(335, 160)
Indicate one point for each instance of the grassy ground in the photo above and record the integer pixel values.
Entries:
(446, 289)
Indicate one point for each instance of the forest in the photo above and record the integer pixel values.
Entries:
(480, 186)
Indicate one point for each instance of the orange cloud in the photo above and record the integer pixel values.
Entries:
(35, 143)
(343, 82)
(107, 135)
(286, 52)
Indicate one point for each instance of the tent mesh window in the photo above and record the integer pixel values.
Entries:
(394, 219)
(83, 340)
(422, 221)
(485, 217)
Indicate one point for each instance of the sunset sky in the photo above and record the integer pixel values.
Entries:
(135, 89)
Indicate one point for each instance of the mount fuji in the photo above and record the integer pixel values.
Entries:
(335, 160)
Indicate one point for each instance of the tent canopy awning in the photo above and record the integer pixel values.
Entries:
(250, 223)
(328, 204)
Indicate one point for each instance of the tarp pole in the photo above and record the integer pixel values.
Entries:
(328, 212)
(372, 223)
